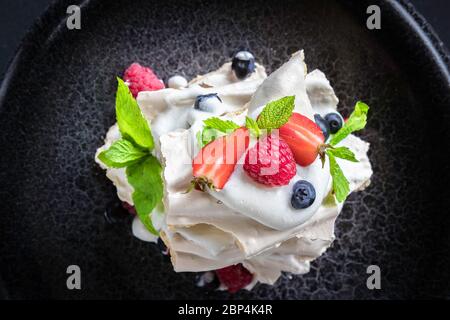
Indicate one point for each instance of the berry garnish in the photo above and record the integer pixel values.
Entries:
(131, 209)
(215, 162)
(207, 102)
(270, 162)
(133, 152)
(335, 121)
(303, 195)
(243, 64)
(234, 277)
(323, 124)
(304, 137)
(140, 78)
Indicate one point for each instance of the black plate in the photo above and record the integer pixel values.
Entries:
(57, 103)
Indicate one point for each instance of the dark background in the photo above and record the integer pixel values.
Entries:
(16, 16)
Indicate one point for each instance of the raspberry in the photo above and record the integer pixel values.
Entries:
(141, 78)
(234, 277)
(270, 162)
(131, 209)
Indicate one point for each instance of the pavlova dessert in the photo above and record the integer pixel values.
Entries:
(240, 174)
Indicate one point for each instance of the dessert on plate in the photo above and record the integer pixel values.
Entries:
(241, 174)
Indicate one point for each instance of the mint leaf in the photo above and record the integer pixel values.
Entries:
(341, 187)
(355, 122)
(276, 113)
(132, 124)
(199, 136)
(252, 126)
(225, 126)
(145, 178)
(207, 135)
(343, 153)
(121, 153)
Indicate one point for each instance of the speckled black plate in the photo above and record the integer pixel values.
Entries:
(57, 102)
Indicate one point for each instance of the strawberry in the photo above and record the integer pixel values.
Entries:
(215, 163)
(304, 137)
(270, 162)
(234, 277)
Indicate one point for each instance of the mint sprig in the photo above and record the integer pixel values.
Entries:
(252, 126)
(276, 113)
(343, 153)
(225, 126)
(341, 186)
(213, 129)
(207, 135)
(145, 178)
(122, 153)
(355, 122)
(133, 152)
(132, 125)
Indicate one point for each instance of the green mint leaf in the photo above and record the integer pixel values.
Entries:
(132, 124)
(341, 187)
(252, 126)
(122, 153)
(145, 178)
(355, 122)
(207, 135)
(276, 113)
(343, 153)
(199, 138)
(225, 126)
(210, 134)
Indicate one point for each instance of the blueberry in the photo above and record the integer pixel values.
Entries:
(303, 195)
(335, 121)
(243, 64)
(323, 124)
(207, 102)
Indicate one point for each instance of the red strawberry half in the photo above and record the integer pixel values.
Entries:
(215, 163)
(234, 277)
(304, 137)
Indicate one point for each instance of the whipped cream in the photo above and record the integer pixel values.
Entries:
(245, 222)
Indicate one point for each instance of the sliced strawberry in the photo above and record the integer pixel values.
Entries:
(215, 163)
(304, 137)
